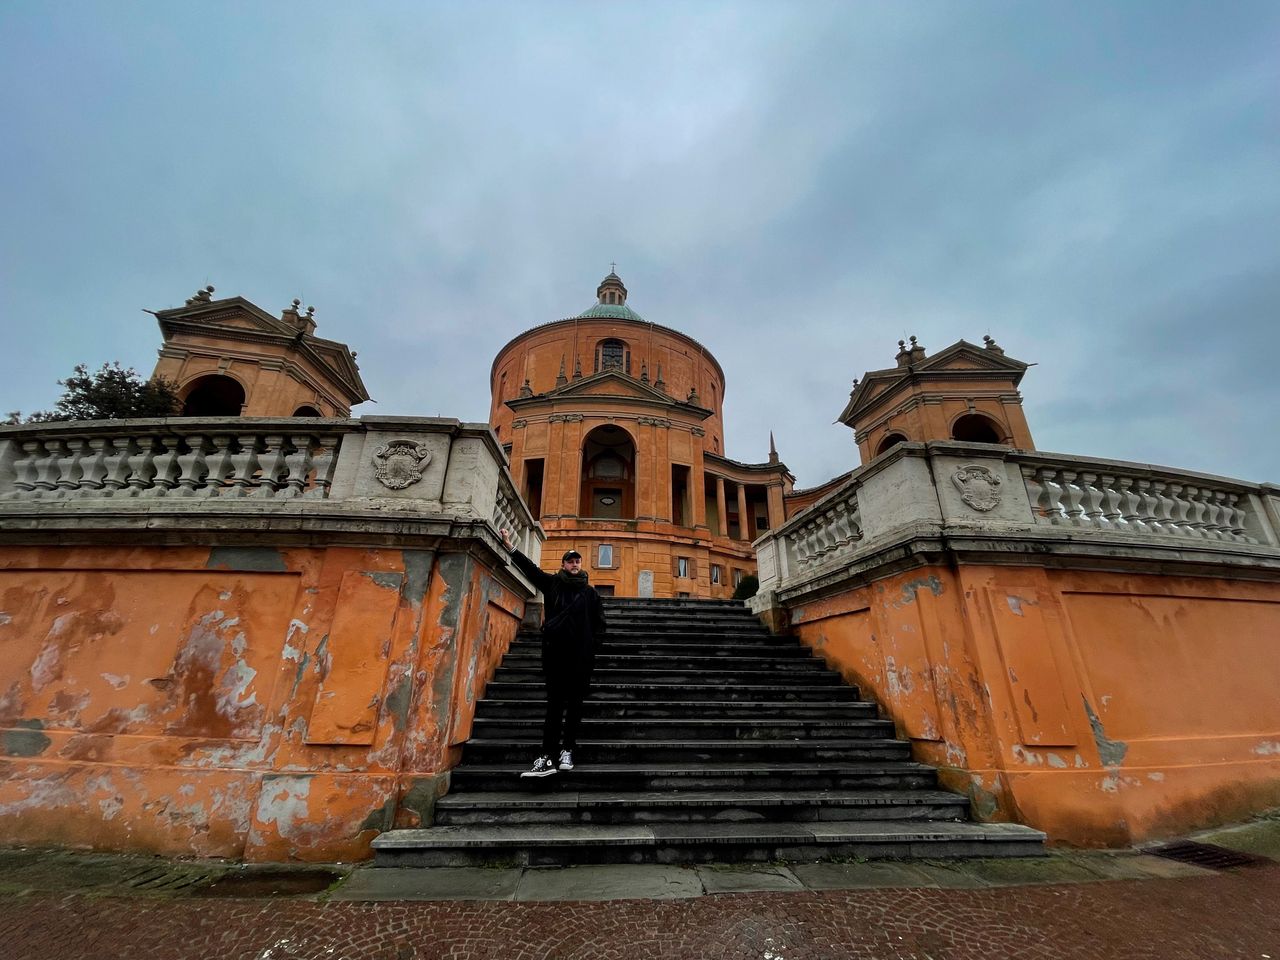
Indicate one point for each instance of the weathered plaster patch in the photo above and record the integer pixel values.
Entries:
(26, 741)
(1268, 748)
(911, 588)
(117, 683)
(379, 819)
(247, 560)
(420, 798)
(1157, 776)
(1016, 602)
(983, 802)
(1024, 755)
(1111, 784)
(1111, 752)
(398, 701)
(1057, 762)
(110, 807)
(5, 619)
(389, 581)
(283, 801)
(417, 571)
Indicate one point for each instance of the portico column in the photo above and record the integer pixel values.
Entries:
(722, 522)
(744, 525)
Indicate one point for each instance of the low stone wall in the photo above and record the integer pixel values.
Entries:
(267, 677)
(1091, 648)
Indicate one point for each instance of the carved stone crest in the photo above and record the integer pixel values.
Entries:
(978, 486)
(399, 463)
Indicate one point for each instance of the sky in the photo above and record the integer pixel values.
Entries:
(796, 185)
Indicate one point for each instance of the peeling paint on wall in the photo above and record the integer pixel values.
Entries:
(913, 587)
(1111, 752)
(247, 559)
(25, 741)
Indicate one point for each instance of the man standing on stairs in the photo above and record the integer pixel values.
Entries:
(572, 625)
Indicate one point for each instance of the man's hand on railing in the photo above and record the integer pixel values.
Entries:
(506, 538)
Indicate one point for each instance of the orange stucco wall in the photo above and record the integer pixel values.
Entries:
(263, 703)
(1103, 708)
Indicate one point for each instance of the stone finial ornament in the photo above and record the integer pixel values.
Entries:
(561, 379)
(399, 463)
(992, 345)
(201, 296)
(978, 486)
(525, 389)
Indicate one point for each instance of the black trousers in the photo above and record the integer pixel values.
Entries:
(566, 669)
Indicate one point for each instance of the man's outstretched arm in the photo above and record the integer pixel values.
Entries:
(526, 566)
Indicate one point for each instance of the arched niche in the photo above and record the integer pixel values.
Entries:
(891, 440)
(306, 410)
(976, 428)
(608, 474)
(215, 395)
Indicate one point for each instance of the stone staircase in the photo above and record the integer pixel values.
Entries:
(705, 739)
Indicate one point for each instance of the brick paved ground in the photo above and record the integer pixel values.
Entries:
(1230, 914)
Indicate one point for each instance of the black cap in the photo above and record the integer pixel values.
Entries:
(570, 555)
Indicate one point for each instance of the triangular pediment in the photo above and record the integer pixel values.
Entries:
(233, 313)
(963, 359)
(609, 386)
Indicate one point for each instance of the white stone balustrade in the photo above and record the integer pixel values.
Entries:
(385, 472)
(266, 460)
(1147, 502)
(996, 499)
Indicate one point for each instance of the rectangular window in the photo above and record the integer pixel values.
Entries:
(604, 558)
(737, 578)
(533, 486)
(680, 513)
(682, 567)
(762, 524)
(715, 573)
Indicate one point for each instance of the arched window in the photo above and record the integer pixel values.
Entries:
(975, 428)
(613, 355)
(890, 440)
(307, 410)
(213, 396)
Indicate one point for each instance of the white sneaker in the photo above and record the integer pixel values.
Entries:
(542, 767)
(566, 760)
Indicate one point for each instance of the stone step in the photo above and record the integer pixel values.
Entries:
(697, 729)
(686, 624)
(525, 749)
(667, 648)
(672, 603)
(533, 710)
(675, 674)
(549, 844)
(607, 659)
(660, 635)
(709, 692)
(694, 806)
(680, 776)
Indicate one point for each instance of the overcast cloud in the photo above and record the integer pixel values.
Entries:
(1096, 185)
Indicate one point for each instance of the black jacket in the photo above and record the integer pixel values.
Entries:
(572, 617)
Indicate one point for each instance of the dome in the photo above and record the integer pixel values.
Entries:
(614, 311)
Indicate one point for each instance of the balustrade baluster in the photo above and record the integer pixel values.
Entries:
(273, 461)
(50, 467)
(220, 464)
(1178, 507)
(1235, 519)
(1111, 516)
(194, 468)
(1196, 511)
(1071, 497)
(27, 471)
(1050, 499)
(1163, 508)
(1130, 505)
(116, 476)
(142, 465)
(1147, 507)
(1091, 499)
(323, 460)
(246, 468)
(1214, 515)
(93, 466)
(297, 465)
(167, 468)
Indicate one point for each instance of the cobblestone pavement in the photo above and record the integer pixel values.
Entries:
(1234, 913)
